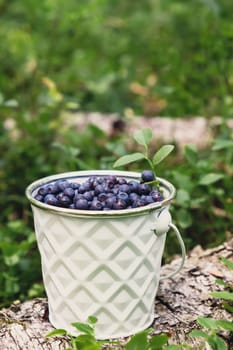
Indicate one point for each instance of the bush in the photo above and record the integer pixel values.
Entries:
(155, 57)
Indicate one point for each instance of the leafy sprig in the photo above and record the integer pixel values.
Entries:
(86, 340)
(144, 138)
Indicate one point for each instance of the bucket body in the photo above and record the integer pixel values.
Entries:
(102, 264)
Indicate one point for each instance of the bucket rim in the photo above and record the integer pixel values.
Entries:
(82, 174)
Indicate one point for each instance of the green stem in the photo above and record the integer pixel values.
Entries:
(150, 164)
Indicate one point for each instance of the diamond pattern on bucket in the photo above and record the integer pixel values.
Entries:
(108, 268)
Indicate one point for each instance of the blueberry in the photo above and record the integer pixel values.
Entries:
(109, 202)
(88, 186)
(121, 181)
(75, 185)
(147, 176)
(124, 188)
(99, 189)
(133, 196)
(144, 188)
(119, 204)
(100, 180)
(82, 188)
(124, 196)
(111, 181)
(51, 199)
(149, 199)
(134, 186)
(88, 195)
(69, 191)
(96, 205)
(53, 188)
(78, 196)
(81, 204)
(63, 200)
(39, 197)
(102, 197)
(43, 190)
(156, 196)
(115, 189)
(139, 203)
(62, 184)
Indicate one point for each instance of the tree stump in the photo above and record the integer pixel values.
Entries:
(178, 303)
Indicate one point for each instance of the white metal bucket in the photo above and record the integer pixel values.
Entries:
(103, 264)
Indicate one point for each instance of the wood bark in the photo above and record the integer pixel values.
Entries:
(178, 303)
(166, 130)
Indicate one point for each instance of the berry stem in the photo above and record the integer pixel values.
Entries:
(150, 164)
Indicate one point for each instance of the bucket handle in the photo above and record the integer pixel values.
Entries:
(183, 253)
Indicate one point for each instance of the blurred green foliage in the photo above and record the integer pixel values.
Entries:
(169, 57)
(157, 57)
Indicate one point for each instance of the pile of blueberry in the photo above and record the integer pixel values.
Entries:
(100, 193)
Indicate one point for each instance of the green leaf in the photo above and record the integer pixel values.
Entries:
(182, 198)
(184, 218)
(143, 137)
(227, 262)
(198, 333)
(162, 153)
(128, 158)
(157, 341)
(137, 342)
(191, 154)
(87, 342)
(223, 295)
(55, 332)
(183, 180)
(83, 327)
(207, 322)
(227, 325)
(221, 144)
(216, 342)
(228, 307)
(210, 178)
(220, 282)
(174, 347)
(92, 319)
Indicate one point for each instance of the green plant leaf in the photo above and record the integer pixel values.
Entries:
(162, 153)
(228, 307)
(83, 327)
(137, 342)
(223, 295)
(184, 217)
(227, 262)
(198, 333)
(210, 178)
(128, 158)
(174, 347)
(207, 322)
(222, 144)
(183, 198)
(191, 154)
(227, 325)
(220, 282)
(143, 137)
(216, 342)
(87, 342)
(92, 319)
(157, 341)
(55, 332)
